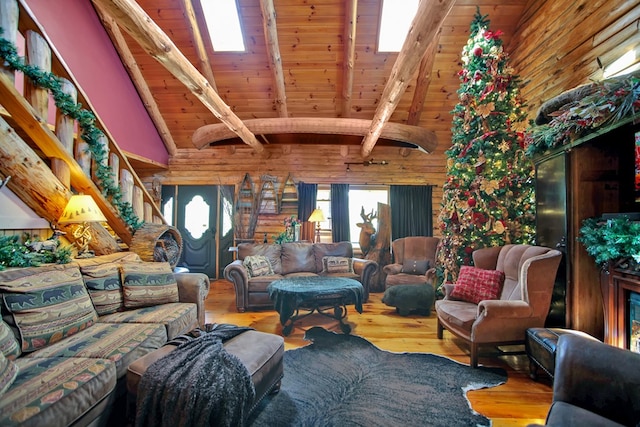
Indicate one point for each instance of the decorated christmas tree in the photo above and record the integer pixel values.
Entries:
(488, 197)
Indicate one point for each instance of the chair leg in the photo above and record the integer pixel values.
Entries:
(439, 330)
(474, 355)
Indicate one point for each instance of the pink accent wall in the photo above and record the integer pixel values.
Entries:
(78, 35)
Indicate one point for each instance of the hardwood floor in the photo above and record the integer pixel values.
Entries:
(518, 402)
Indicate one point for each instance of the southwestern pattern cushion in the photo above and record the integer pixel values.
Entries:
(47, 304)
(9, 345)
(55, 391)
(148, 283)
(105, 288)
(8, 373)
(335, 264)
(178, 318)
(475, 284)
(120, 343)
(257, 265)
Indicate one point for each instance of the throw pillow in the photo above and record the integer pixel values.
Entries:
(9, 345)
(257, 265)
(414, 266)
(475, 284)
(148, 283)
(105, 288)
(8, 373)
(47, 304)
(336, 264)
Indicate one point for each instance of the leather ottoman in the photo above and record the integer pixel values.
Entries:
(540, 344)
(260, 352)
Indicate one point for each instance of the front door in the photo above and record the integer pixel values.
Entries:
(196, 219)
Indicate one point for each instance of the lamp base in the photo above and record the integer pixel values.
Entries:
(85, 254)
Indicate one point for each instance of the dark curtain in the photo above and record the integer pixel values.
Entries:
(411, 211)
(340, 213)
(307, 197)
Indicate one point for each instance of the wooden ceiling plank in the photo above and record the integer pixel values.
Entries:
(424, 29)
(138, 80)
(130, 16)
(273, 50)
(350, 24)
(422, 82)
(424, 140)
(196, 35)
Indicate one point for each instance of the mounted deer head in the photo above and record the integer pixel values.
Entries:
(368, 232)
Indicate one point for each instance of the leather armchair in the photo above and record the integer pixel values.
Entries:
(595, 384)
(407, 250)
(523, 302)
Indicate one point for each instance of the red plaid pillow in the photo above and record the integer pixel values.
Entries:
(475, 284)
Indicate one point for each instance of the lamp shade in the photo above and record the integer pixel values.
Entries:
(316, 216)
(81, 208)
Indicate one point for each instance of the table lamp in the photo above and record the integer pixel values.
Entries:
(317, 216)
(82, 209)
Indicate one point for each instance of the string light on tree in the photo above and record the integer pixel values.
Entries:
(488, 197)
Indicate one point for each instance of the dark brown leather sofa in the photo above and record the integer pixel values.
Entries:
(290, 260)
(595, 384)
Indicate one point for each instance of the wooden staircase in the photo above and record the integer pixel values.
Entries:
(49, 162)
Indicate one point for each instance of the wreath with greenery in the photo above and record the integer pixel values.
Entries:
(90, 133)
(612, 101)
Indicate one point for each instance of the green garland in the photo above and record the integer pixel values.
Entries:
(612, 101)
(612, 239)
(13, 253)
(86, 121)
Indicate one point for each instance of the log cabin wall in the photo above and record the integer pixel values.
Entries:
(559, 46)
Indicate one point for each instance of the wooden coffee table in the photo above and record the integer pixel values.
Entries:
(328, 296)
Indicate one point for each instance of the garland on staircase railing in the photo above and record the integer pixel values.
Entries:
(86, 121)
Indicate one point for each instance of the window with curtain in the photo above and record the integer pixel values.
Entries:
(411, 211)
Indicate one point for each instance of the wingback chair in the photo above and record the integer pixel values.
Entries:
(414, 260)
(522, 302)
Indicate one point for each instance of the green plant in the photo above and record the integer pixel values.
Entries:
(15, 253)
(610, 239)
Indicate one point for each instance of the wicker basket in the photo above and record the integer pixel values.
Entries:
(157, 242)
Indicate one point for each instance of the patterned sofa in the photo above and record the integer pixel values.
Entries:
(251, 275)
(69, 332)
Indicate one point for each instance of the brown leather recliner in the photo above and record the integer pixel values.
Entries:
(410, 255)
(523, 302)
(595, 384)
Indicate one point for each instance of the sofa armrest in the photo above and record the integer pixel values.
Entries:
(599, 378)
(237, 274)
(365, 268)
(193, 288)
(504, 309)
(392, 269)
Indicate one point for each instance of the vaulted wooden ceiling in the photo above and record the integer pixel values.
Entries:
(309, 61)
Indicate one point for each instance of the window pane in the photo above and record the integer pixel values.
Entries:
(395, 22)
(369, 200)
(223, 24)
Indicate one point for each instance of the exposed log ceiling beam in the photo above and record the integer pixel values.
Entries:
(273, 50)
(422, 82)
(350, 24)
(422, 138)
(196, 35)
(130, 16)
(138, 80)
(423, 32)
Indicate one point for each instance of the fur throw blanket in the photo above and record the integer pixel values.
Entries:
(197, 384)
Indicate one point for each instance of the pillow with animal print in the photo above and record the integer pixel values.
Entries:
(148, 283)
(46, 304)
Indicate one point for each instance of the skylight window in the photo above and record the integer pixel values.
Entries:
(395, 21)
(223, 23)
